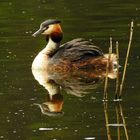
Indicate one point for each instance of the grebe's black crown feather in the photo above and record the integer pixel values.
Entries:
(49, 22)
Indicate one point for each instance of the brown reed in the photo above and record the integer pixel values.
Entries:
(126, 60)
(107, 70)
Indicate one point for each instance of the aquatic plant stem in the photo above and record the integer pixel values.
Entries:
(107, 69)
(124, 123)
(118, 122)
(126, 60)
(117, 79)
(107, 120)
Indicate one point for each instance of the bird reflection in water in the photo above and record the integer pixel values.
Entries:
(78, 83)
(52, 106)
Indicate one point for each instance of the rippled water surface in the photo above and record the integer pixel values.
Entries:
(84, 117)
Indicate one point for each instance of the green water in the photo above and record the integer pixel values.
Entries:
(84, 118)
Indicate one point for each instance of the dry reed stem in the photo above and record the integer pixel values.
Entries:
(117, 79)
(126, 60)
(107, 67)
(124, 123)
(118, 122)
(107, 121)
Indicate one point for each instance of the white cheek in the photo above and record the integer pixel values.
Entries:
(49, 30)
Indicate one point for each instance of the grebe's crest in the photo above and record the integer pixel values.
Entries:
(49, 22)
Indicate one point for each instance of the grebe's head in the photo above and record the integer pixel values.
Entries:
(45, 110)
(50, 28)
(53, 106)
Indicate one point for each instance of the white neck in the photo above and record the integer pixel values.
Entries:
(41, 60)
(52, 88)
(51, 47)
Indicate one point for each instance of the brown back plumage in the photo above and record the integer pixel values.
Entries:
(77, 50)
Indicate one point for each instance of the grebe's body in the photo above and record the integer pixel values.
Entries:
(74, 55)
(79, 58)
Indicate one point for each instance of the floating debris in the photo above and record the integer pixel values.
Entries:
(15, 113)
(46, 129)
(1, 137)
(117, 100)
(90, 138)
(23, 12)
(14, 131)
(75, 130)
(115, 124)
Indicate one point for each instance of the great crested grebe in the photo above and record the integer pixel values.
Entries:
(74, 55)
